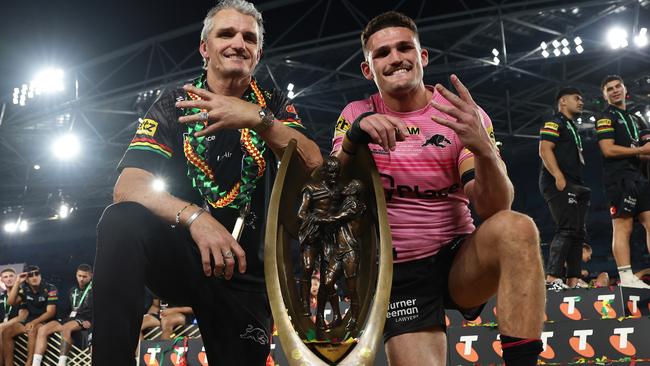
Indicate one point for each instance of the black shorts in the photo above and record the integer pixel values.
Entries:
(628, 197)
(420, 293)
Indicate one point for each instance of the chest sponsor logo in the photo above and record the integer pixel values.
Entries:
(147, 127)
(342, 125)
(604, 122)
(413, 130)
(415, 191)
(438, 141)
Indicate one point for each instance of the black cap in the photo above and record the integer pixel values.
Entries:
(31, 268)
(569, 90)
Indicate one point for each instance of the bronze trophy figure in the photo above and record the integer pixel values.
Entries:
(334, 222)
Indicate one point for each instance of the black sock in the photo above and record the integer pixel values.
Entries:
(520, 351)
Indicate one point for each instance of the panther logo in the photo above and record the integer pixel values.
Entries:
(437, 140)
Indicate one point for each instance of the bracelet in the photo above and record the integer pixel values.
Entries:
(194, 216)
(355, 134)
(178, 214)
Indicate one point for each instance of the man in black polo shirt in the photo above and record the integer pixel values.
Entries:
(222, 157)
(8, 313)
(561, 184)
(37, 300)
(626, 188)
(79, 317)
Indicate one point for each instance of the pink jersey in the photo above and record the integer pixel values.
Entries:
(427, 207)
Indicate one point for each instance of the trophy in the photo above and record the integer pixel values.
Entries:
(335, 222)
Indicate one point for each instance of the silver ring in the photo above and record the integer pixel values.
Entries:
(204, 115)
(227, 254)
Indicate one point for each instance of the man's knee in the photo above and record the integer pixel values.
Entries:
(124, 217)
(514, 226)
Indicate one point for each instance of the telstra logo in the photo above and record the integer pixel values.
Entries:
(177, 356)
(496, 346)
(568, 307)
(633, 306)
(150, 356)
(203, 359)
(620, 342)
(579, 342)
(465, 350)
(604, 306)
(547, 351)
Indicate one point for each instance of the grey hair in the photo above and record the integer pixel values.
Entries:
(241, 6)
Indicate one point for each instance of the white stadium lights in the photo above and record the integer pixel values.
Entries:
(561, 47)
(641, 39)
(12, 227)
(617, 38)
(64, 211)
(66, 147)
(48, 80)
(290, 94)
(495, 59)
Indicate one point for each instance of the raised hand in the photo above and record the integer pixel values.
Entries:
(469, 121)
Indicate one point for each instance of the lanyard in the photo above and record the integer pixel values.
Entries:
(74, 296)
(576, 135)
(5, 306)
(634, 128)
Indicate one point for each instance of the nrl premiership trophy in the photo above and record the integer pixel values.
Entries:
(336, 222)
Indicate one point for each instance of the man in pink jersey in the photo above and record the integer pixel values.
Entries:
(436, 153)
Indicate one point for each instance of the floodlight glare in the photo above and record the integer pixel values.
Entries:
(617, 38)
(159, 185)
(23, 226)
(64, 211)
(290, 94)
(48, 80)
(37, 167)
(641, 39)
(66, 147)
(545, 54)
(579, 49)
(564, 42)
(566, 51)
(556, 44)
(556, 52)
(496, 60)
(543, 45)
(495, 52)
(290, 87)
(577, 41)
(10, 227)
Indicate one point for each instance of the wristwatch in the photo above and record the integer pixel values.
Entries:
(266, 120)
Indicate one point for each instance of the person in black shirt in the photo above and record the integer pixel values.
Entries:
(8, 313)
(37, 300)
(626, 187)
(561, 184)
(80, 317)
(216, 143)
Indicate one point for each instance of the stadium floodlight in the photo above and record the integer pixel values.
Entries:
(10, 227)
(545, 54)
(48, 80)
(66, 147)
(23, 226)
(556, 43)
(543, 45)
(641, 39)
(579, 49)
(64, 210)
(566, 51)
(565, 42)
(557, 52)
(617, 38)
(290, 86)
(495, 52)
(577, 41)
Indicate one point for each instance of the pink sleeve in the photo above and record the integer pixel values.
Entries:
(343, 124)
(487, 123)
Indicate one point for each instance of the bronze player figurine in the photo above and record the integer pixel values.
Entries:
(317, 233)
(345, 257)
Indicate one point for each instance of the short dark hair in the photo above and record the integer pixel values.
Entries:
(85, 268)
(8, 269)
(568, 90)
(387, 20)
(31, 268)
(609, 78)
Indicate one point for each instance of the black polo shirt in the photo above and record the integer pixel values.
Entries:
(158, 148)
(80, 303)
(36, 302)
(624, 128)
(7, 311)
(563, 132)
